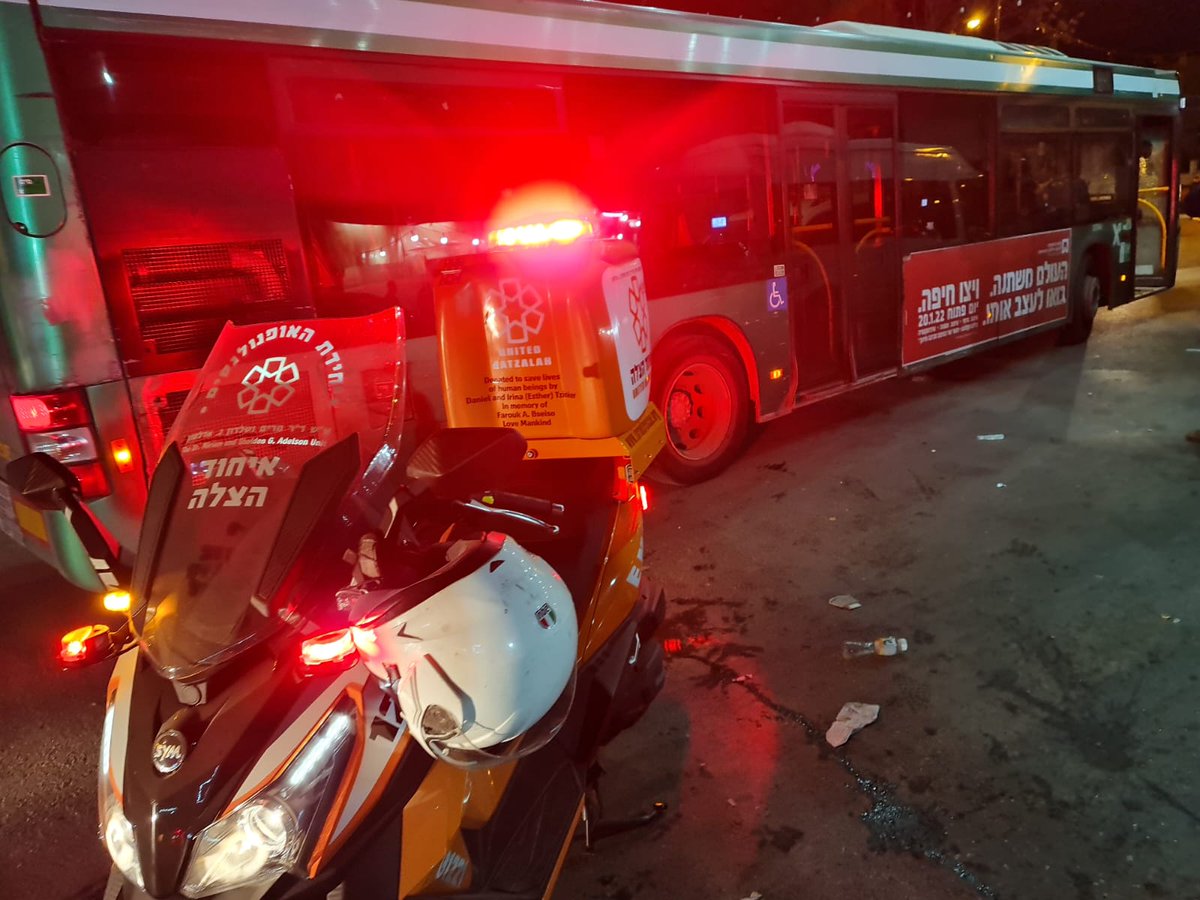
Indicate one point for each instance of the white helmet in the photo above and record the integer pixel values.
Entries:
(486, 658)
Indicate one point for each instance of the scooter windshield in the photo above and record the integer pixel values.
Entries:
(289, 439)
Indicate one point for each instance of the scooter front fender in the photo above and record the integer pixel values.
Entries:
(118, 888)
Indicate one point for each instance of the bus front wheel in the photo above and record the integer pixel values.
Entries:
(700, 386)
(1090, 295)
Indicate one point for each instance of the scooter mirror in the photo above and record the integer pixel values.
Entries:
(460, 461)
(42, 481)
(46, 484)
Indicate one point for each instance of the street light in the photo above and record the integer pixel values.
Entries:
(974, 23)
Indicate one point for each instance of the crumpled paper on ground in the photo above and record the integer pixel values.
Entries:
(852, 718)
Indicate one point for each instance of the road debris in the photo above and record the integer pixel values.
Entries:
(852, 718)
(844, 601)
(884, 646)
(1167, 617)
(989, 437)
(753, 895)
(1001, 484)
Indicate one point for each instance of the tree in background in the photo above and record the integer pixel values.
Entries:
(1050, 23)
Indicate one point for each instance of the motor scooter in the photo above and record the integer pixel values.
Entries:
(354, 665)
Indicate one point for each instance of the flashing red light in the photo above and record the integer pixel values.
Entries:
(644, 494)
(539, 234)
(42, 412)
(671, 646)
(85, 645)
(334, 651)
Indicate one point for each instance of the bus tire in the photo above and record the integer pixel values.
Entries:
(700, 387)
(1089, 295)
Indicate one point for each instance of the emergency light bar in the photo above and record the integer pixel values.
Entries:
(540, 234)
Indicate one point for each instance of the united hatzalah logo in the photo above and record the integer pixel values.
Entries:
(516, 311)
(640, 311)
(268, 385)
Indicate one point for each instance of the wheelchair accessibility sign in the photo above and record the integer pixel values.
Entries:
(777, 294)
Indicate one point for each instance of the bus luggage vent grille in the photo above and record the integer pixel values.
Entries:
(169, 411)
(183, 295)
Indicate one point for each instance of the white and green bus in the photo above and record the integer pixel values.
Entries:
(816, 208)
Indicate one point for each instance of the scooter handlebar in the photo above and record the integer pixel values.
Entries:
(510, 515)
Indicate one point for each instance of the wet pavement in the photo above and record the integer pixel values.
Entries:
(1038, 739)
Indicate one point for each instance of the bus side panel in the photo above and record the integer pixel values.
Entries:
(1109, 245)
(747, 308)
(121, 510)
(55, 320)
(55, 330)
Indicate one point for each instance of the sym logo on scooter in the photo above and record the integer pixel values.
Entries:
(169, 751)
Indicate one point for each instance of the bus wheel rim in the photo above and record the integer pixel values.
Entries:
(1091, 293)
(699, 411)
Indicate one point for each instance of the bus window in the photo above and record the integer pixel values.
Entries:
(872, 198)
(365, 268)
(694, 162)
(1103, 167)
(1037, 188)
(394, 165)
(189, 200)
(945, 170)
(811, 176)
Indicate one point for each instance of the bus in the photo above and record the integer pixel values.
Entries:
(816, 209)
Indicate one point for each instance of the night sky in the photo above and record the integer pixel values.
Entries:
(1142, 26)
(1133, 30)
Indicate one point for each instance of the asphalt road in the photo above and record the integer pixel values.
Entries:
(1038, 740)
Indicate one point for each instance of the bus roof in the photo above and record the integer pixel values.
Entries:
(588, 33)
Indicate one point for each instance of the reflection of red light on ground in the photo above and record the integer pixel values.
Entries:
(673, 646)
(743, 754)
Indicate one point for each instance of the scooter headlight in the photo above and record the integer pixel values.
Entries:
(115, 830)
(256, 843)
(118, 839)
(272, 831)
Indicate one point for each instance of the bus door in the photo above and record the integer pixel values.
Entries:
(839, 204)
(1155, 235)
(871, 253)
(814, 235)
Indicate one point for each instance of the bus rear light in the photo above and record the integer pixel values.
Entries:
(93, 482)
(69, 446)
(539, 234)
(43, 412)
(122, 456)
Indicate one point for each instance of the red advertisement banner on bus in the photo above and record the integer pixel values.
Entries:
(961, 297)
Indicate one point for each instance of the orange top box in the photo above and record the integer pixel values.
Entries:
(553, 342)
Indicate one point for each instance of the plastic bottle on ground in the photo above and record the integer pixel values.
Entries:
(884, 646)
